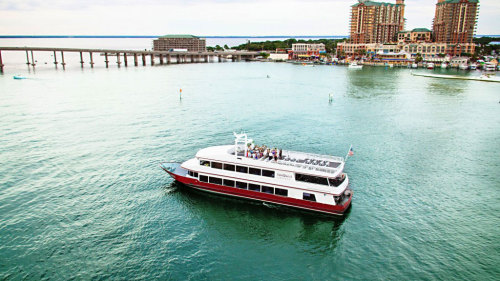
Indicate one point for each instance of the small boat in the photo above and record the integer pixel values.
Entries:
(355, 65)
(414, 65)
(489, 67)
(301, 180)
(463, 67)
(430, 65)
(444, 65)
(485, 77)
(472, 66)
(19, 77)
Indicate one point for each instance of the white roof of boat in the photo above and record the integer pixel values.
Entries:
(293, 161)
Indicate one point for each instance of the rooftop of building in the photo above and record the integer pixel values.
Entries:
(456, 1)
(179, 36)
(373, 3)
(420, 29)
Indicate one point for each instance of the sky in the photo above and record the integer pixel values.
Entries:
(206, 17)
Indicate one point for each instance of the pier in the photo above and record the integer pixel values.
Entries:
(163, 56)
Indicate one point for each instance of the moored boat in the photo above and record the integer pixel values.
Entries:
(444, 65)
(295, 179)
(414, 65)
(430, 65)
(355, 65)
(463, 66)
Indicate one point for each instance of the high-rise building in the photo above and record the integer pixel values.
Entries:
(455, 23)
(376, 22)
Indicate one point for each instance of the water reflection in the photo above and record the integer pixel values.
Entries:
(363, 84)
(269, 223)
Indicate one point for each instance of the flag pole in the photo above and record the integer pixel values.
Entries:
(347, 155)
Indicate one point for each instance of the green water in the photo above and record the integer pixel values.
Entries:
(82, 195)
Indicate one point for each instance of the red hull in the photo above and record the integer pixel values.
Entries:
(264, 197)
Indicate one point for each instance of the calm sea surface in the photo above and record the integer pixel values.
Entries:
(82, 195)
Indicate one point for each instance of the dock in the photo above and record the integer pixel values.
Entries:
(484, 77)
(139, 56)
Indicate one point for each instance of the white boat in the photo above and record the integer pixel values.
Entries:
(307, 181)
(414, 65)
(430, 65)
(484, 77)
(355, 65)
(489, 67)
(463, 67)
(444, 65)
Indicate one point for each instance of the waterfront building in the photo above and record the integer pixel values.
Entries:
(189, 42)
(376, 22)
(304, 50)
(455, 24)
(415, 35)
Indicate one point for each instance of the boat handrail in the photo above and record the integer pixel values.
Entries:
(305, 166)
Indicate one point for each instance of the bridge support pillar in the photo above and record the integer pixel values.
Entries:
(32, 59)
(152, 59)
(124, 59)
(55, 58)
(118, 61)
(239, 57)
(91, 55)
(143, 59)
(169, 59)
(62, 60)
(81, 59)
(161, 58)
(106, 59)
(1, 62)
(27, 58)
(135, 59)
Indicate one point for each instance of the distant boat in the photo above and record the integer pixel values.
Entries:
(463, 66)
(489, 67)
(414, 65)
(473, 66)
(484, 77)
(430, 65)
(19, 77)
(444, 65)
(355, 65)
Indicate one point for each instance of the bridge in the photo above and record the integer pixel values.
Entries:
(164, 56)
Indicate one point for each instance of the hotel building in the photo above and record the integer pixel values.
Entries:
(376, 22)
(189, 42)
(455, 24)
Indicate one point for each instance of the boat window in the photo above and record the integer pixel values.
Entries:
(229, 167)
(336, 181)
(241, 169)
(254, 171)
(311, 179)
(215, 180)
(242, 185)
(282, 192)
(203, 178)
(229, 183)
(195, 174)
(309, 197)
(267, 173)
(216, 165)
(267, 189)
(254, 187)
(205, 163)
